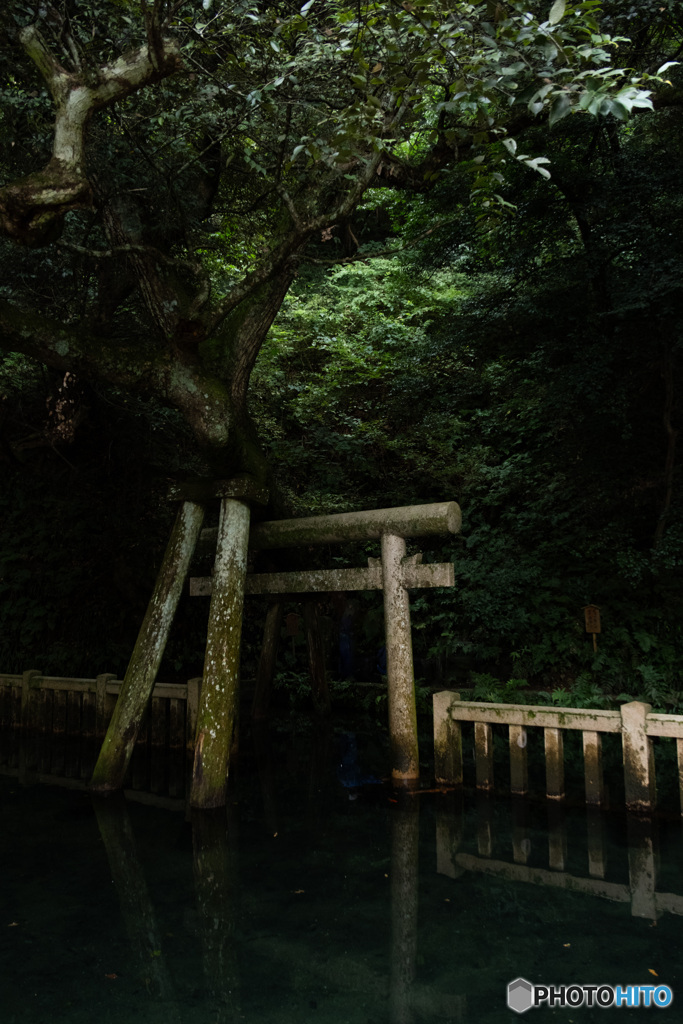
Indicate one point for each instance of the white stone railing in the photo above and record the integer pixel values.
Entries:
(636, 723)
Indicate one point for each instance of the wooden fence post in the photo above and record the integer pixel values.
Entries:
(101, 720)
(194, 689)
(639, 765)
(592, 767)
(30, 681)
(519, 775)
(28, 746)
(483, 755)
(554, 763)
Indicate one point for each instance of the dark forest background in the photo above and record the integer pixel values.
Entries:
(526, 363)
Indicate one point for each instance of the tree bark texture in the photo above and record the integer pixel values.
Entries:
(32, 210)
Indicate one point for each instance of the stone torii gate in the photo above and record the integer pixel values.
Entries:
(393, 573)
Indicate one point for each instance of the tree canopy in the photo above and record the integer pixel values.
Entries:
(167, 167)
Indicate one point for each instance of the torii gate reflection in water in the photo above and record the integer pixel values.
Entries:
(393, 573)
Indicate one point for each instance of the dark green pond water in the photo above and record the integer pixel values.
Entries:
(312, 901)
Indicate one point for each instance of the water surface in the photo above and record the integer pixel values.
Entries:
(311, 899)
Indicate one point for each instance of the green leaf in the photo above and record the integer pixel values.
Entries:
(557, 12)
(559, 108)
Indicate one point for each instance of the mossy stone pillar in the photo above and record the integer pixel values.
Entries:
(141, 673)
(220, 688)
(405, 762)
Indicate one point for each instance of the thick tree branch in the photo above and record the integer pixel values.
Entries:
(32, 210)
(138, 365)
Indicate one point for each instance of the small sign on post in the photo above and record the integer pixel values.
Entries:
(592, 616)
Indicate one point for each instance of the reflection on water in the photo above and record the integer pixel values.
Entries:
(137, 909)
(641, 835)
(296, 903)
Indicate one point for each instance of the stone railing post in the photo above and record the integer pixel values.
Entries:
(30, 680)
(639, 765)
(194, 689)
(101, 702)
(447, 741)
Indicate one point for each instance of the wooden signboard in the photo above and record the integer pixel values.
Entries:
(592, 616)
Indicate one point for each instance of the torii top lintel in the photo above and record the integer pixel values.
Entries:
(406, 521)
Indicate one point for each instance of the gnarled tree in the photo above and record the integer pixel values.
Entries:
(169, 166)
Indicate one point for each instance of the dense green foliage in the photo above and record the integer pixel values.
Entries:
(482, 332)
(530, 369)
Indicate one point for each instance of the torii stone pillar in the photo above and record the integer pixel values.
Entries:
(405, 764)
(219, 701)
(141, 673)
(220, 687)
(138, 684)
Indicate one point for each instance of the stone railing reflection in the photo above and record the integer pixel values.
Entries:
(453, 859)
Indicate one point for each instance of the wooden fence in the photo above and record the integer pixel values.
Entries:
(635, 722)
(53, 726)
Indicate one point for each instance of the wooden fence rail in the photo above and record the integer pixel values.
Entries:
(53, 727)
(34, 702)
(635, 722)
